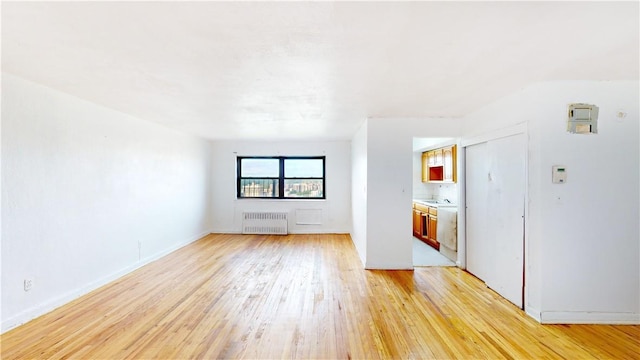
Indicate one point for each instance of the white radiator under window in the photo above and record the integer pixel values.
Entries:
(270, 223)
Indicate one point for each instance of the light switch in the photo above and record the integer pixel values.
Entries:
(559, 174)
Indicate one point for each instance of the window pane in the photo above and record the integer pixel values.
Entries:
(260, 167)
(259, 188)
(301, 188)
(303, 168)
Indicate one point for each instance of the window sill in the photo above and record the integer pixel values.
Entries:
(278, 200)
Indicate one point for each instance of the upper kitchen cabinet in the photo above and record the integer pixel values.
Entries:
(434, 157)
(449, 166)
(439, 165)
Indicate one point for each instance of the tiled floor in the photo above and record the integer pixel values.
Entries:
(425, 255)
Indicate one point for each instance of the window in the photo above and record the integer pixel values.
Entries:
(282, 177)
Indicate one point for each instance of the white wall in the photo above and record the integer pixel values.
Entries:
(336, 208)
(389, 186)
(89, 194)
(419, 190)
(1, 322)
(583, 239)
(359, 191)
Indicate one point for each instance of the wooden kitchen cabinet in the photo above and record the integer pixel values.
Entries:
(449, 164)
(433, 226)
(439, 165)
(438, 158)
(434, 157)
(417, 228)
(425, 224)
(425, 166)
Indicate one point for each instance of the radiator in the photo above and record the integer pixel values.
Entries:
(264, 223)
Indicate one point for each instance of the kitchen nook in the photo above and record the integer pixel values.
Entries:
(435, 194)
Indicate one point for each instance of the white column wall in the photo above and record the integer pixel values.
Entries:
(88, 194)
(389, 171)
(359, 184)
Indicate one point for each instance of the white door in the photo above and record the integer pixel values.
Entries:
(506, 190)
(495, 240)
(478, 246)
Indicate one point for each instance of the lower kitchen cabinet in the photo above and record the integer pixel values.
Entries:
(425, 224)
(433, 225)
(417, 228)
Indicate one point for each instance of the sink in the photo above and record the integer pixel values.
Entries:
(436, 202)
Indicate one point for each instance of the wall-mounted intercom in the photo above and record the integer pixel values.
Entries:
(582, 119)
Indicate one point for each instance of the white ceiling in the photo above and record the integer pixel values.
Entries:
(311, 70)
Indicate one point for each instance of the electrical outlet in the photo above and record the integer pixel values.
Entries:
(28, 284)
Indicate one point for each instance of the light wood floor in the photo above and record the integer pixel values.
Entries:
(302, 296)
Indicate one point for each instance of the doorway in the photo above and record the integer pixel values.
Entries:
(423, 253)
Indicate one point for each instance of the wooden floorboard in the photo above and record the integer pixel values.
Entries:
(300, 296)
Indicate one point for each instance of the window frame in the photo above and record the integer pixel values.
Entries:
(281, 177)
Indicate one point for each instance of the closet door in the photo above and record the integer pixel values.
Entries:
(478, 244)
(495, 188)
(505, 202)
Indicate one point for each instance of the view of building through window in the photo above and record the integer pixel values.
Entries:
(281, 177)
(303, 188)
(259, 188)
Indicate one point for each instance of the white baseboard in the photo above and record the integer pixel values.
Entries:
(225, 231)
(298, 231)
(388, 266)
(322, 231)
(584, 317)
(532, 312)
(54, 303)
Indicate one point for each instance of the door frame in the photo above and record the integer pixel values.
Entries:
(520, 128)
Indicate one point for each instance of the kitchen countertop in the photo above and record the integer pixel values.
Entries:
(434, 203)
